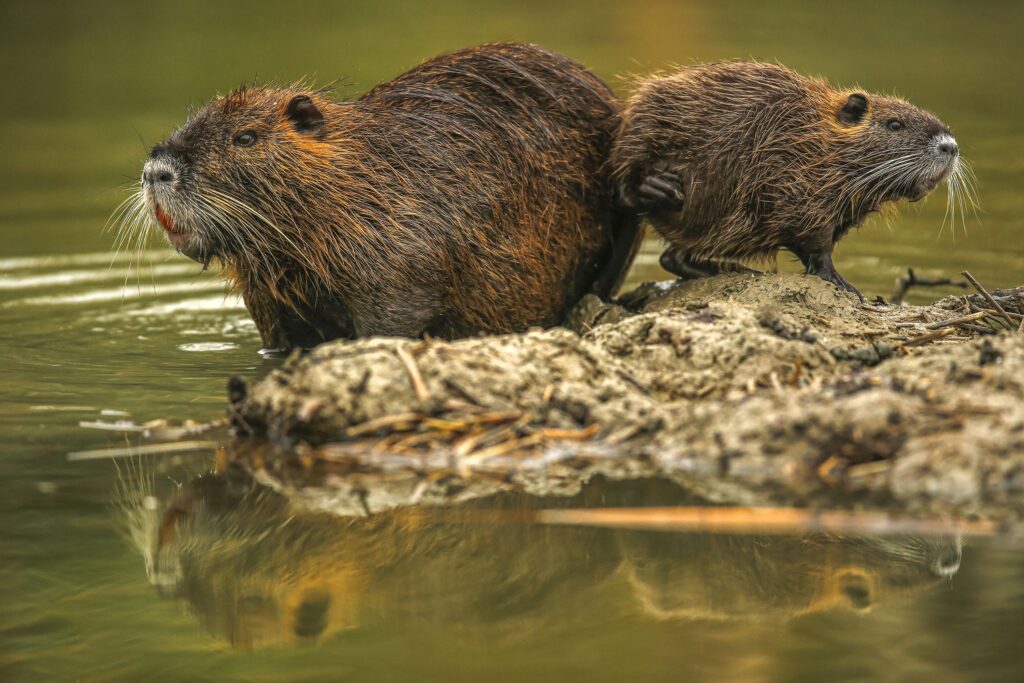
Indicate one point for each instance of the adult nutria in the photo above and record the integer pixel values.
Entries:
(738, 160)
(258, 568)
(261, 567)
(469, 194)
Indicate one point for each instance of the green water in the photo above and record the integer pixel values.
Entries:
(87, 86)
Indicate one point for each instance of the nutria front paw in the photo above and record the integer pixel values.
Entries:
(818, 261)
(820, 264)
(686, 267)
(660, 193)
(840, 282)
(682, 266)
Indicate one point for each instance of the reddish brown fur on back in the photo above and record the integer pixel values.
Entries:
(469, 194)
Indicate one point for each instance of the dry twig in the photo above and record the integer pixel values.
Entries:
(150, 449)
(957, 321)
(930, 337)
(418, 385)
(988, 297)
(904, 283)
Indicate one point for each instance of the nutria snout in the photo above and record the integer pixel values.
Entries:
(159, 181)
(736, 161)
(470, 194)
(945, 158)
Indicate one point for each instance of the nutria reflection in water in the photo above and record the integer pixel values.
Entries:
(257, 572)
(704, 576)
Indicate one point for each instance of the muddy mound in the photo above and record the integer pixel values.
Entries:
(746, 389)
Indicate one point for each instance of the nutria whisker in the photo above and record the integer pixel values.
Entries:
(870, 189)
(966, 180)
(223, 215)
(890, 167)
(891, 164)
(965, 174)
(966, 171)
(957, 190)
(123, 217)
(138, 247)
(128, 203)
(248, 249)
(132, 231)
(229, 230)
(230, 201)
(955, 200)
(118, 221)
(267, 251)
(950, 212)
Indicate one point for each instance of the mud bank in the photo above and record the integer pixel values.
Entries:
(744, 389)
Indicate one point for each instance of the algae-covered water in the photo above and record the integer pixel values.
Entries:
(251, 590)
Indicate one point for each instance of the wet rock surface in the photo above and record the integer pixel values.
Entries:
(745, 389)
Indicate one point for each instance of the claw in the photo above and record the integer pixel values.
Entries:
(661, 192)
(820, 264)
(684, 266)
(677, 263)
(840, 282)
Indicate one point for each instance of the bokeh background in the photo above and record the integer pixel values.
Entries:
(85, 82)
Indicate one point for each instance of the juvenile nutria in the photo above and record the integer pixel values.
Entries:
(727, 576)
(739, 160)
(470, 194)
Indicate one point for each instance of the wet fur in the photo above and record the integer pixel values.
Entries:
(764, 160)
(469, 194)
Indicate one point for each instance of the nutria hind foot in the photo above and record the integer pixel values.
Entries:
(686, 267)
(660, 193)
(820, 264)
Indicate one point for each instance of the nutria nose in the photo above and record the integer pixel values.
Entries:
(948, 563)
(947, 145)
(157, 172)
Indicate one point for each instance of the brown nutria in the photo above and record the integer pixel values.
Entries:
(469, 194)
(261, 566)
(780, 577)
(739, 160)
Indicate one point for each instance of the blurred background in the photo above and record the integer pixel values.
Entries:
(89, 87)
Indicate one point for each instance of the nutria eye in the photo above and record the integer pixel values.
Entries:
(894, 124)
(246, 139)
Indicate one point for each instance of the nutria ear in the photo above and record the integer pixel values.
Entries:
(854, 109)
(856, 590)
(304, 114)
